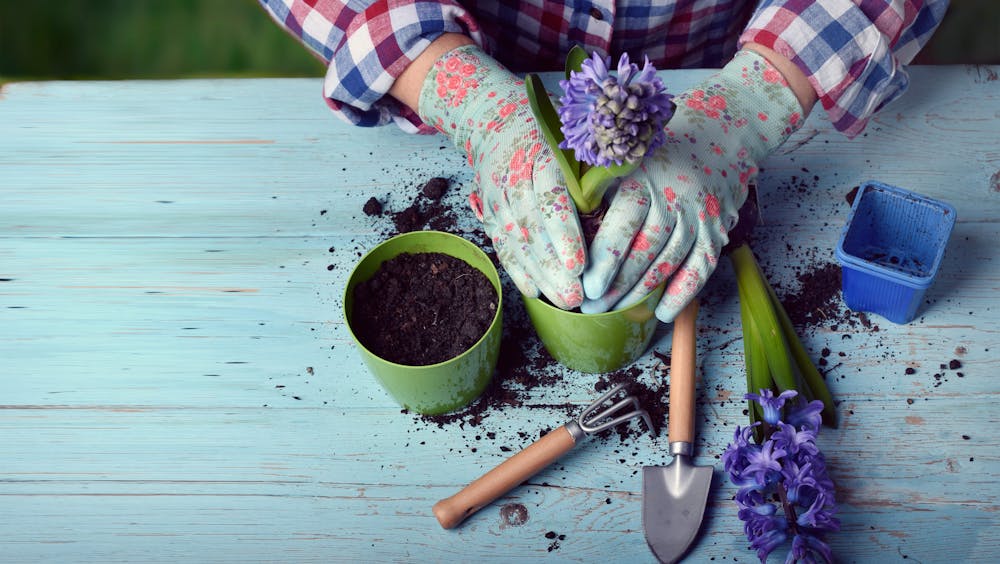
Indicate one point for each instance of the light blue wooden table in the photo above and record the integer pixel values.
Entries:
(177, 383)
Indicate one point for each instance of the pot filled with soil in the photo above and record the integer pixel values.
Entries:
(424, 309)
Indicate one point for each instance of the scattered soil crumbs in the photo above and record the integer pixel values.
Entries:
(407, 313)
(426, 211)
(555, 538)
(435, 188)
(652, 398)
(818, 299)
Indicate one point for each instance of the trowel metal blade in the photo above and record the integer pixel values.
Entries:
(673, 505)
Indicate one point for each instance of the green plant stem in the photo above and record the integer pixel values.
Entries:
(596, 181)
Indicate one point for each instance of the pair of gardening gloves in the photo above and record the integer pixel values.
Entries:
(666, 223)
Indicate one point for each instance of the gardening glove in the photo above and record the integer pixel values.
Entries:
(519, 195)
(670, 219)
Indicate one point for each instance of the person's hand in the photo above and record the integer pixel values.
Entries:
(519, 194)
(670, 219)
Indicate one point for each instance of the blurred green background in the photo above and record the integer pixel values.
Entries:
(117, 39)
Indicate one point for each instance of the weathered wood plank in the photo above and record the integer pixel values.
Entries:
(176, 381)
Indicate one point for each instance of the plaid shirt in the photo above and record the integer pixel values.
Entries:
(851, 51)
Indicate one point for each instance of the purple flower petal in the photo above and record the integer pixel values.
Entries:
(772, 405)
(807, 416)
(805, 547)
(613, 119)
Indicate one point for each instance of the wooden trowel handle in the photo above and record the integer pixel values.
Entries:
(682, 368)
(500, 480)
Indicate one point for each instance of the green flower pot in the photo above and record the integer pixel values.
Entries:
(595, 342)
(436, 388)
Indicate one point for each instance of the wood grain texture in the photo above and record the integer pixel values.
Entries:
(177, 383)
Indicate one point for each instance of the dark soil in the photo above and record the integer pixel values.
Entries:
(749, 217)
(591, 222)
(435, 188)
(818, 299)
(652, 398)
(426, 210)
(423, 308)
(372, 207)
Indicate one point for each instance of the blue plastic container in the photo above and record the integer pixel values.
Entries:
(891, 248)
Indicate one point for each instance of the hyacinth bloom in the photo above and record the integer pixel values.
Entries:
(784, 491)
(609, 119)
(607, 122)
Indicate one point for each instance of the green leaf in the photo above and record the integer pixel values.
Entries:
(762, 311)
(764, 319)
(549, 124)
(758, 373)
(813, 379)
(574, 59)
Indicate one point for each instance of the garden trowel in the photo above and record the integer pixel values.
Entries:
(674, 496)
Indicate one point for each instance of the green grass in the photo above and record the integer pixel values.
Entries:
(118, 39)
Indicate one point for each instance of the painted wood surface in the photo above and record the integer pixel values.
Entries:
(177, 383)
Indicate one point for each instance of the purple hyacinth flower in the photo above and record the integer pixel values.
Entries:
(819, 515)
(765, 463)
(805, 548)
(806, 416)
(772, 405)
(767, 541)
(610, 119)
(799, 481)
(784, 489)
(794, 440)
(734, 457)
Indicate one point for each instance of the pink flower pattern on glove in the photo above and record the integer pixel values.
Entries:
(519, 193)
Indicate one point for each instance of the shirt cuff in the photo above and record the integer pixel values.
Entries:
(379, 43)
(847, 53)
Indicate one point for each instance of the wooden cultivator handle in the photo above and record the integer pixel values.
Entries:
(500, 480)
(682, 381)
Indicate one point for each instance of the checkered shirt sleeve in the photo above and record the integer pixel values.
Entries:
(851, 51)
(366, 45)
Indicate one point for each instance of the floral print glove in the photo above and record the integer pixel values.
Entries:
(669, 220)
(519, 195)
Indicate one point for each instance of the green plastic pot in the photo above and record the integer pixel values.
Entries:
(595, 343)
(436, 388)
